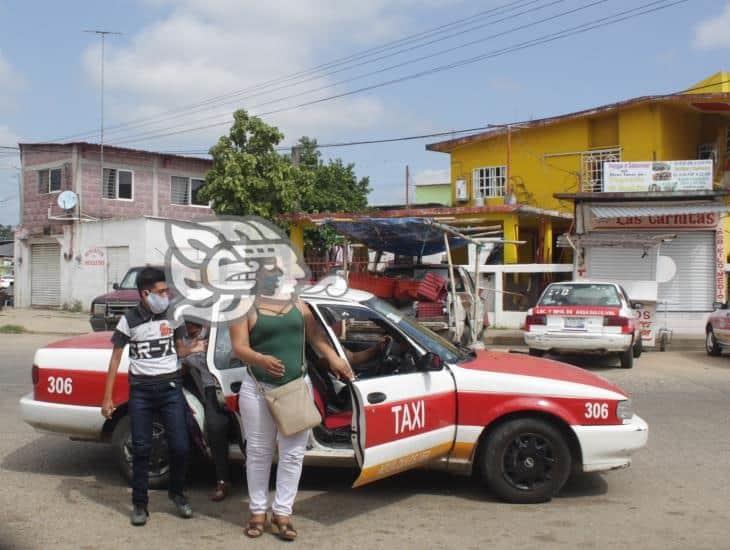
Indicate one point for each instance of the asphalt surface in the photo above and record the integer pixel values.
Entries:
(56, 493)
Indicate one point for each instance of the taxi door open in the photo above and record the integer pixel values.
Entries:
(402, 421)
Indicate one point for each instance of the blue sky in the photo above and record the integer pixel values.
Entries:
(177, 52)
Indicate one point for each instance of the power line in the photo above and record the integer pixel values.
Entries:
(579, 29)
(409, 61)
(335, 63)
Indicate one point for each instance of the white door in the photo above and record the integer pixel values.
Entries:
(117, 264)
(45, 275)
(402, 421)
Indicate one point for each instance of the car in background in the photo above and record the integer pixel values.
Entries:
(108, 308)
(6, 281)
(717, 330)
(584, 317)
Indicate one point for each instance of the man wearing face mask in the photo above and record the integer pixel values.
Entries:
(155, 388)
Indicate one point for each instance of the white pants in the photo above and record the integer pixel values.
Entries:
(261, 440)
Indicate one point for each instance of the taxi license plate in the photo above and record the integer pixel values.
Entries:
(574, 322)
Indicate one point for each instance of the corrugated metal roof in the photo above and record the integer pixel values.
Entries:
(605, 212)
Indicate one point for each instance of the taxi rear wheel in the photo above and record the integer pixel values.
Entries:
(627, 358)
(159, 468)
(526, 461)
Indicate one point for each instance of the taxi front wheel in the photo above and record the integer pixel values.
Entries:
(159, 469)
(526, 461)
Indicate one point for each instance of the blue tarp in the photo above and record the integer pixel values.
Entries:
(400, 236)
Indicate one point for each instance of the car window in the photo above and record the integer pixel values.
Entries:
(580, 295)
(130, 280)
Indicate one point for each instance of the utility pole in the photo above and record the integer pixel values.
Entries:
(408, 177)
(102, 34)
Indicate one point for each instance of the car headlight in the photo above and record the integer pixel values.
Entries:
(99, 309)
(623, 410)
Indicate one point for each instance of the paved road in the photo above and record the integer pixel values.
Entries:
(62, 494)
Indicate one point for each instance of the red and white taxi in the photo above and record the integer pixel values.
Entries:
(523, 423)
(584, 317)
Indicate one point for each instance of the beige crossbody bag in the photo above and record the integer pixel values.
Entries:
(291, 405)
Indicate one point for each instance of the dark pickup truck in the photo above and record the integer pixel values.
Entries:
(108, 308)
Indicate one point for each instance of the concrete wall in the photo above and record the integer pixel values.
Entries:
(82, 281)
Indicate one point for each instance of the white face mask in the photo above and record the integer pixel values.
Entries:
(157, 304)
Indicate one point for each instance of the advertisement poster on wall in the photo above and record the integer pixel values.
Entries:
(657, 176)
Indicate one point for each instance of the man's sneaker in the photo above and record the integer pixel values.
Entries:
(139, 515)
(184, 510)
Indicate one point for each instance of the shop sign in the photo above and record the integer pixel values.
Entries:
(646, 317)
(704, 220)
(671, 175)
(94, 257)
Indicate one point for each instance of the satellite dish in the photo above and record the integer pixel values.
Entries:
(666, 269)
(67, 200)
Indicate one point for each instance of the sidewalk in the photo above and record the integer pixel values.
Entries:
(46, 321)
(513, 338)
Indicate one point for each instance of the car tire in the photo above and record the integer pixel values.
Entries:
(526, 461)
(711, 346)
(638, 348)
(159, 472)
(536, 352)
(627, 358)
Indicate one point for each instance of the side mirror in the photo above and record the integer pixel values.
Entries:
(115, 286)
(430, 363)
(637, 305)
(719, 305)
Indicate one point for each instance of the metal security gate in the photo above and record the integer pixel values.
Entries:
(693, 286)
(45, 275)
(117, 264)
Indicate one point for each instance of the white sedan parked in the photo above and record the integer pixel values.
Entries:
(584, 317)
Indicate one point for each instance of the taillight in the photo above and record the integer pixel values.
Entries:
(626, 324)
(535, 320)
(34, 375)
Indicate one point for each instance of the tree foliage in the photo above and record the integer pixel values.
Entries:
(249, 177)
(6, 232)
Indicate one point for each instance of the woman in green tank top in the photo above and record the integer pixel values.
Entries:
(271, 340)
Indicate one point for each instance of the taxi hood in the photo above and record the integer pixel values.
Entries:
(526, 365)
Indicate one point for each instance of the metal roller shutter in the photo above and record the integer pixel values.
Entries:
(693, 286)
(45, 273)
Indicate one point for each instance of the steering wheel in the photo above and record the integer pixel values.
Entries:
(386, 361)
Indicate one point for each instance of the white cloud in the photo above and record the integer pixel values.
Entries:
(431, 176)
(713, 32)
(206, 48)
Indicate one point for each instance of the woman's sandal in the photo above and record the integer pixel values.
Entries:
(255, 528)
(284, 528)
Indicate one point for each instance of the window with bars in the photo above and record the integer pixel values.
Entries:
(592, 168)
(49, 181)
(489, 181)
(186, 191)
(118, 184)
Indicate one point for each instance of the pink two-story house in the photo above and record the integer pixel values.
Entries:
(66, 256)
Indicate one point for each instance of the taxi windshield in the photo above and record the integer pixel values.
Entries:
(424, 337)
(583, 294)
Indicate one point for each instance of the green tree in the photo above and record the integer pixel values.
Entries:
(249, 177)
(6, 232)
(335, 187)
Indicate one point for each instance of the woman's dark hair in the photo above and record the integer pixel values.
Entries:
(148, 278)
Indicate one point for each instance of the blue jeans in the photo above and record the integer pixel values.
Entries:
(165, 400)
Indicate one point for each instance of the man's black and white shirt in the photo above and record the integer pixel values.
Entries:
(151, 338)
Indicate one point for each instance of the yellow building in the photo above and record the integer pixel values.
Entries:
(527, 163)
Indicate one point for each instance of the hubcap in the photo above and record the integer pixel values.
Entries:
(710, 341)
(528, 461)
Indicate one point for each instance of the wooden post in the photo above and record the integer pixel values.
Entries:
(451, 278)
